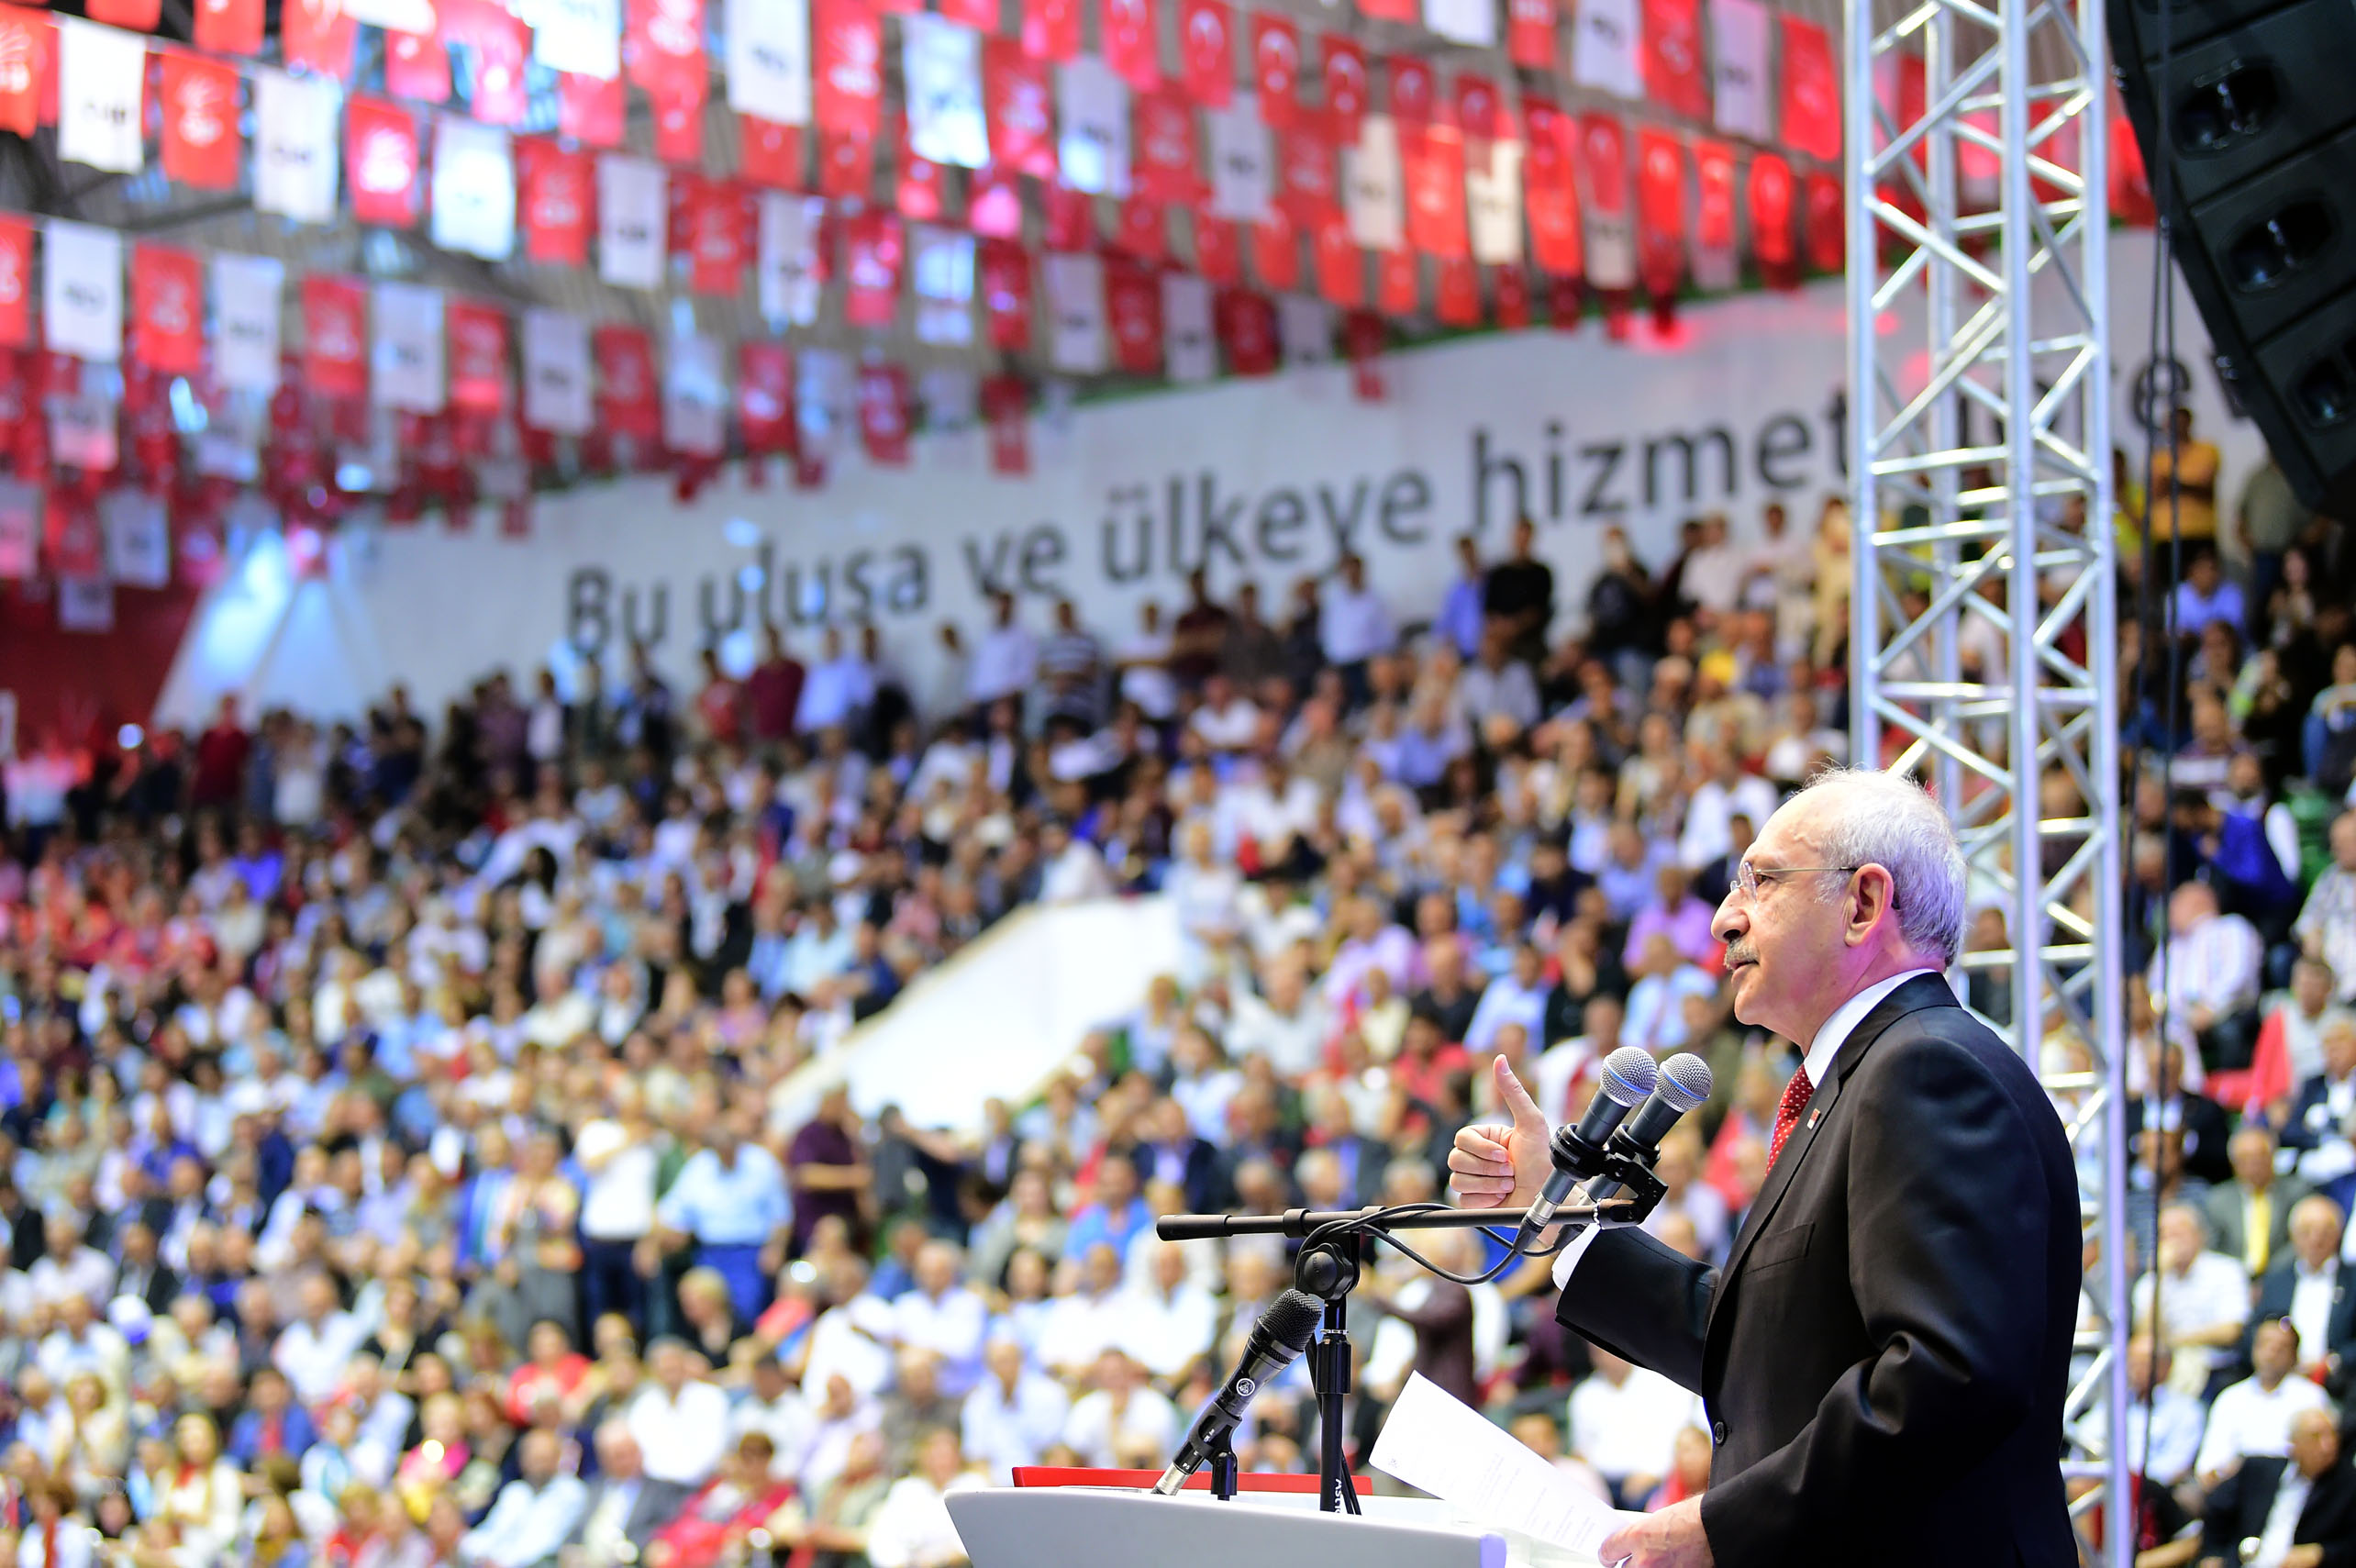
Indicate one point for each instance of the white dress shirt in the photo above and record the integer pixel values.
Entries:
(2215, 965)
(1002, 1430)
(951, 1328)
(2249, 1421)
(2311, 1295)
(1148, 1422)
(527, 1523)
(2214, 1289)
(682, 1438)
(1353, 625)
(1630, 1428)
(2282, 1520)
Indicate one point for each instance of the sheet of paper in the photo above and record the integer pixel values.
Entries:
(1434, 1441)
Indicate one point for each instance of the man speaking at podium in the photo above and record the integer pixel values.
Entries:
(1884, 1355)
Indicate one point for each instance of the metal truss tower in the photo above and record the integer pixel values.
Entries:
(1982, 618)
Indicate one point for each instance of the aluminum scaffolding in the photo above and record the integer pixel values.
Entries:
(1980, 457)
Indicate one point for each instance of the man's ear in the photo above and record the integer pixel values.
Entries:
(1871, 897)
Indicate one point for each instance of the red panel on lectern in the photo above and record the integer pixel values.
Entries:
(1076, 1476)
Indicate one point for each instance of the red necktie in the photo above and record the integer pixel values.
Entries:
(1787, 1111)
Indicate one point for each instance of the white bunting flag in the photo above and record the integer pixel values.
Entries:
(100, 74)
(695, 397)
(406, 361)
(1243, 162)
(556, 372)
(582, 36)
(85, 604)
(294, 121)
(1738, 68)
(85, 432)
(785, 257)
(82, 291)
(941, 64)
(1077, 339)
(822, 401)
(1093, 112)
(20, 528)
(246, 291)
(475, 189)
(1371, 195)
(1305, 327)
(769, 59)
(951, 397)
(941, 260)
(138, 540)
(1189, 349)
(1607, 48)
(401, 16)
(1493, 203)
(633, 222)
(1471, 22)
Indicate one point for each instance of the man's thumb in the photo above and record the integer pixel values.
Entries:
(1516, 1099)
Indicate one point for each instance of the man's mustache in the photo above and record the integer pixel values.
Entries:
(1740, 953)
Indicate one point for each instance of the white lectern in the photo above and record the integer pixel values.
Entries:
(1082, 1527)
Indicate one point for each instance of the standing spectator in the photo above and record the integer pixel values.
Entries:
(1519, 594)
(2267, 522)
(1071, 670)
(617, 1153)
(2183, 483)
(1199, 635)
(1461, 620)
(730, 1200)
(839, 690)
(827, 1167)
(719, 702)
(221, 754)
(1355, 626)
(1005, 662)
(773, 691)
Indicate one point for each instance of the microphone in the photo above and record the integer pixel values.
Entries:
(1685, 1083)
(1279, 1336)
(1628, 1077)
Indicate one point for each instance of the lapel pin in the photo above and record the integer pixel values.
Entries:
(1812, 1120)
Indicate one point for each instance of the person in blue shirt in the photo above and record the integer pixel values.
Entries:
(731, 1202)
(1117, 1216)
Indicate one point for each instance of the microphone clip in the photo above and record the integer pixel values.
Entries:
(1576, 1155)
(1639, 1189)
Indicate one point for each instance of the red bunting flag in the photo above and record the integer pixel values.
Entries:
(417, 66)
(1051, 29)
(846, 165)
(316, 35)
(630, 398)
(1308, 188)
(1276, 253)
(1247, 323)
(2130, 185)
(715, 222)
(1529, 33)
(1218, 249)
(1481, 113)
(15, 281)
(1005, 280)
(202, 147)
(139, 16)
(1828, 242)
(662, 47)
(1140, 231)
(982, 16)
(1549, 190)
(1398, 287)
(478, 355)
(1133, 309)
(1770, 218)
(230, 26)
(1673, 57)
(922, 188)
(883, 413)
(1661, 211)
(1415, 90)
(1164, 152)
(168, 309)
(590, 111)
(554, 199)
(1431, 165)
(847, 85)
(27, 69)
(1513, 296)
(1345, 88)
(1714, 200)
(501, 43)
(994, 204)
(678, 126)
(1276, 67)
(873, 251)
(1206, 52)
(1071, 220)
(381, 163)
(1126, 34)
(1391, 10)
(1361, 338)
(335, 338)
(1005, 404)
(771, 153)
(1811, 89)
(1342, 266)
(1016, 94)
(765, 396)
(1456, 293)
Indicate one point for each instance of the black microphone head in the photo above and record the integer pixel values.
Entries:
(1684, 1082)
(1293, 1317)
(1630, 1075)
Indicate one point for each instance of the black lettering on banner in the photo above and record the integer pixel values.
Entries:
(588, 617)
(1116, 569)
(765, 557)
(1688, 448)
(1343, 525)
(1786, 436)
(991, 579)
(659, 628)
(1554, 471)
(706, 601)
(854, 580)
(1043, 552)
(911, 583)
(1599, 499)
(1485, 468)
(1836, 420)
(1281, 516)
(1405, 494)
(1218, 522)
(807, 604)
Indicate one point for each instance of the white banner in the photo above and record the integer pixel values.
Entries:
(1607, 46)
(1077, 339)
(138, 540)
(556, 372)
(1190, 351)
(1372, 195)
(100, 74)
(768, 44)
(1493, 203)
(1243, 162)
(785, 257)
(405, 358)
(1738, 68)
(633, 222)
(475, 189)
(1093, 112)
(246, 291)
(1305, 327)
(695, 397)
(294, 121)
(941, 263)
(82, 290)
(582, 36)
(940, 63)
(1471, 22)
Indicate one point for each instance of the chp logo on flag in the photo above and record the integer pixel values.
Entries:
(201, 111)
(385, 162)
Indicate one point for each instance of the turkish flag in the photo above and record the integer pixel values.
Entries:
(1276, 253)
(2130, 185)
(678, 126)
(1206, 52)
(715, 214)
(630, 398)
(770, 153)
(1071, 220)
(381, 163)
(1391, 10)
(1140, 232)
(1005, 279)
(1133, 308)
(1345, 88)
(15, 281)
(1714, 183)
(1827, 243)
(1481, 113)
(1247, 323)
(1399, 289)
(1513, 296)
(1415, 90)
(1431, 166)
(139, 16)
(168, 309)
(1673, 57)
(316, 35)
(556, 197)
(417, 65)
(1051, 30)
(994, 204)
(1126, 35)
(1005, 404)
(202, 147)
(1661, 211)
(1219, 250)
(1309, 189)
(883, 413)
(1456, 296)
(335, 338)
(27, 70)
(1529, 33)
(589, 110)
(1342, 266)
(846, 164)
(1549, 190)
(1017, 96)
(1165, 154)
(1811, 89)
(662, 47)
(873, 249)
(1770, 218)
(1276, 67)
(478, 355)
(846, 48)
(765, 396)
(230, 26)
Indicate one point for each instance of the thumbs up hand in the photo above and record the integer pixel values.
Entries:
(1502, 1167)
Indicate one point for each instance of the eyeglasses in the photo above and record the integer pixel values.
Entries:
(1746, 877)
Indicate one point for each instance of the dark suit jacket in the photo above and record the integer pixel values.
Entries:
(1202, 1178)
(2237, 1512)
(657, 1504)
(2204, 1125)
(2275, 1287)
(159, 1289)
(1884, 1355)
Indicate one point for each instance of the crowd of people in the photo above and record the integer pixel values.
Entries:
(398, 1166)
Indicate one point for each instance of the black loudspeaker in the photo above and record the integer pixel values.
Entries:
(2256, 121)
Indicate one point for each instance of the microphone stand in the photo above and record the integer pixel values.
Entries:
(1328, 1267)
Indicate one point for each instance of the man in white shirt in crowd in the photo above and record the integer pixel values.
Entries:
(1286, 1021)
(2253, 1419)
(1170, 1318)
(1091, 1319)
(942, 1316)
(2210, 968)
(1013, 1415)
(730, 1200)
(911, 1528)
(70, 1266)
(1125, 1421)
(313, 1350)
(1725, 791)
(1625, 1421)
(773, 1406)
(1006, 661)
(534, 1513)
(2204, 1303)
(839, 690)
(1073, 868)
(618, 1154)
(1228, 720)
(2308, 1285)
(681, 1422)
(1353, 628)
(2163, 1424)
